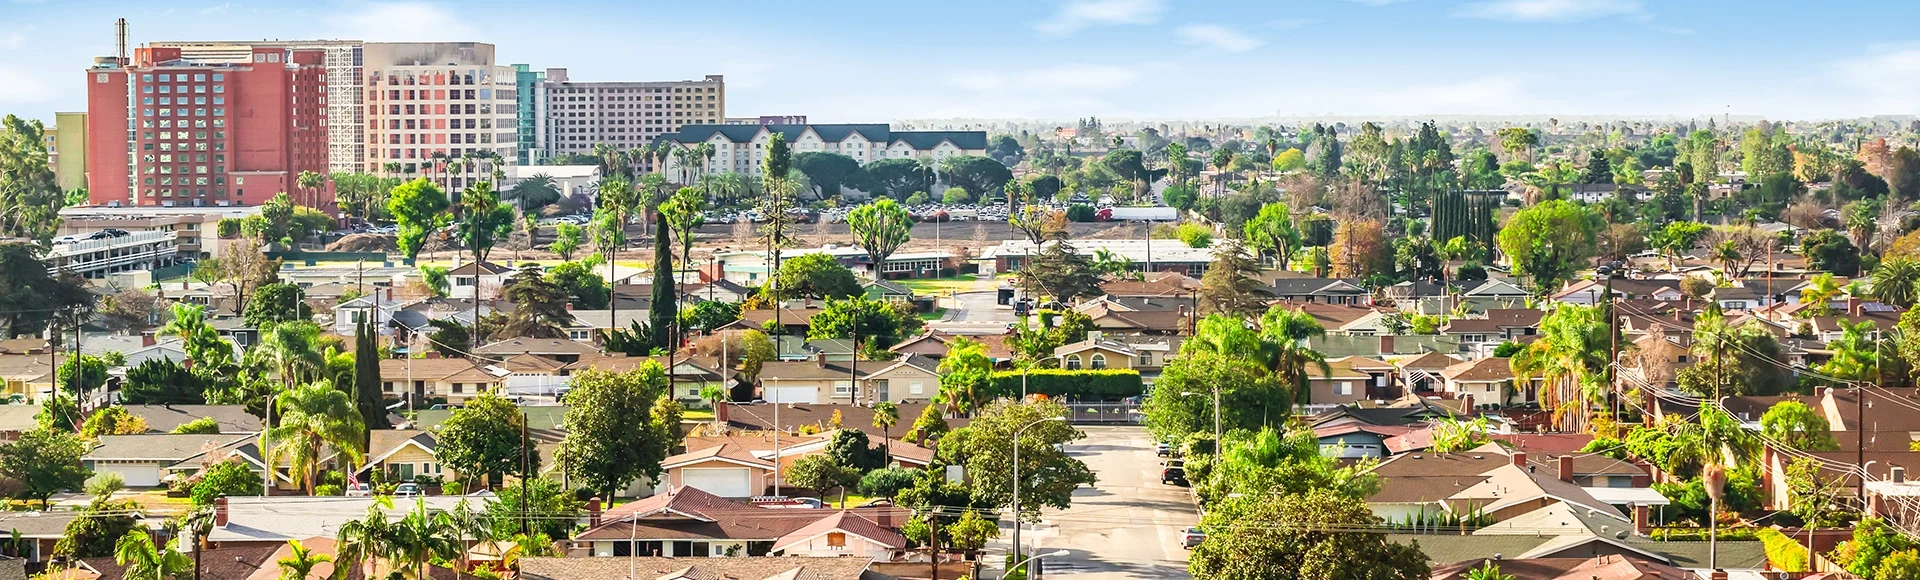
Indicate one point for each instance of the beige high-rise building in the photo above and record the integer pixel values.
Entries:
(67, 150)
(427, 102)
(574, 116)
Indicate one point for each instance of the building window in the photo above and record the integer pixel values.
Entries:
(1073, 362)
(1099, 361)
(836, 540)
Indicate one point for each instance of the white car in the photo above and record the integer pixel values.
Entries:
(359, 490)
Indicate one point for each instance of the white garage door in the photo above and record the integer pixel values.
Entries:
(792, 395)
(723, 482)
(136, 475)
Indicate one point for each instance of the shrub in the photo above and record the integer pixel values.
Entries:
(1195, 235)
(1082, 384)
(1081, 212)
(956, 195)
(327, 489)
(886, 482)
(201, 426)
(453, 488)
(917, 198)
(1783, 553)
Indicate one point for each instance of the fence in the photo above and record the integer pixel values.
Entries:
(1087, 413)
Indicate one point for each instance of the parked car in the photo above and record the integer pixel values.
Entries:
(1162, 450)
(1192, 537)
(359, 490)
(1175, 473)
(408, 490)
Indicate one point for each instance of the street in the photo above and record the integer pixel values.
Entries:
(1127, 525)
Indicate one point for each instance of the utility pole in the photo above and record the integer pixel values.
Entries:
(1613, 342)
(526, 525)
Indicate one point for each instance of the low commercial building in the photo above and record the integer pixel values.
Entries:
(99, 258)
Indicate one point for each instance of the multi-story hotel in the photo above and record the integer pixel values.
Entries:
(169, 129)
(739, 148)
(574, 116)
(444, 98)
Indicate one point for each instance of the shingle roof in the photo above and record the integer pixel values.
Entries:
(537, 346)
(487, 268)
(848, 522)
(164, 418)
(1480, 371)
(832, 133)
(815, 370)
(156, 447)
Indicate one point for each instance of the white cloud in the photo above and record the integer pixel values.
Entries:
(1494, 95)
(15, 39)
(1550, 10)
(1887, 77)
(1217, 36)
(404, 22)
(1053, 79)
(1078, 15)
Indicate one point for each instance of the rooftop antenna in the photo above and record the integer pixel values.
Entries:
(120, 38)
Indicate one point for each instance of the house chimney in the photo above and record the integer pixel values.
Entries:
(1897, 474)
(1853, 306)
(1520, 459)
(220, 511)
(1642, 519)
(1386, 344)
(1566, 468)
(569, 307)
(820, 358)
(389, 293)
(432, 354)
(720, 411)
(147, 339)
(593, 513)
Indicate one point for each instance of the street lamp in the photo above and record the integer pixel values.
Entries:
(1017, 566)
(1023, 375)
(1016, 477)
(1216, 415)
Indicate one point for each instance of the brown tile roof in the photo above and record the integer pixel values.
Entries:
(1550, 443)
(1431, 360)
(1137, 288)
(792, 416)
(433, 369)
(538, 346)
(1496, 319)
(1480, 371)
(487, 268)
(164, 418)
(1332, 315)
(1610, 567)
(848, 522)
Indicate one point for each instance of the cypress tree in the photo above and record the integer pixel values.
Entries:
(366, 377)
(661, 318)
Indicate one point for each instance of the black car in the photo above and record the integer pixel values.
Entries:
(1175, 473)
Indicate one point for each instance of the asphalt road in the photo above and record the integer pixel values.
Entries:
(1124, 527)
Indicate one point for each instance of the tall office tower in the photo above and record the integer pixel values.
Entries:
(574, 116)
(526, 88)
(432, 103)
(205, 129)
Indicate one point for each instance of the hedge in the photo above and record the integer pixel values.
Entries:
(1783, 553)
(1077, 384)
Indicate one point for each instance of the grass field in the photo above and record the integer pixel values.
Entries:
(938, 313)
(961, 283)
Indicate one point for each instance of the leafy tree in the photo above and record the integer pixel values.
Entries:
(1798, 426)
(449, 338)
(666, 292)
(850, 447)
(817, 276)
(130, 308)
(873, 322)
(435, 279)
(44, 462)
(880, 228)
(540, 307)
(820, 473)
(314, 417)
(228, 478)
(710, 315)
(159, 381)
(482, 440)
(81, 374)
(553, 510)
(366, 378)
(886, 482)
(276, 303)
(1273, 232)
(964, 375)
(1266, 462)
(113, 421)
(201, 426)
(1549, 242)
(756, 349)
(830, 171)
(1059, 271)
(1048, 475)
(1829, 251)
(30, 298)
(1873, 541)
(899, 177)
(29, 193)
(1298, 536)
(566, 240)
(583, 288)
(418, 207)
(1229, 286)
(615, 429)
(930, 427)
(980, 176)
(533, 193)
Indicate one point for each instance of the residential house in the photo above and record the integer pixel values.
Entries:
(1486, 483)
(742, 466)
(1608, 567)
(29, 375)
(1153, 256)
(1321, 290)
(936, 344)
(1163, 322)
(423, 379)
(591, 326)
(791, 417)
(1100, 350)
(1348, 380)
(147, 460)
(1564, 531)
(232, 419)
(1420, 374)
(558, 349)
(399, 455)
(1587, 292)
(731, 568)
(491, 277)
(1479, 336)
(378, 307)
(1357, 440)
(887, 291)
(814, 381)
(1487, 382)
(685, 521)
(270, 521)
(908, 377)
(1418, 411)
(795, 320)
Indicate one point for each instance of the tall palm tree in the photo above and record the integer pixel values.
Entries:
(1570, 359)
(197, 337)
(310, 182)
(144, 560)
(728, 186)
(1284, 351)
(705, 153)
(366, 540)
(1897, 282)
(683, 158)
(300, 564)
(885, 416)
(288, 350)
(422, 536)
(313, 418)
(469, 524)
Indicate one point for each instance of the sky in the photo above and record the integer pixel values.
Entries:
(1162, 60)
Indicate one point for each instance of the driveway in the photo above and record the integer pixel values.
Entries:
(1127, 525)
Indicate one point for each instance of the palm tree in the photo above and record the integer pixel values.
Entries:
(1823, 287)
(470, 524)
(422, 536)
(728, 186)
(196, 336)
(885, 416)
(315, 417)
(144, 560)
(301, 563)
(311, 182)
(365, 540)
(1897, 282)
(1284, 352)
(1570, 357)
(705, 152)
(289, 351)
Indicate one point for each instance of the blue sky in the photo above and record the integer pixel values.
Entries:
(859, 60)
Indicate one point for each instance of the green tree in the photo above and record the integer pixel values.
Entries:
(1300, 536)
(870, 322)
(1048, 475)
(613, 433)
(1873, 541)
(276, 303)
(159, 381)
(1230, 286)
(30, 298)
(300, 562)
(229, 478)
(980, 176)
(820, 473)
(541, 308)
(817, 276)
(684, 213)
(81, 374)
(665, 313)
(418, 207)
(483, 220)
(551, 512)
(583, 288)
(1796, 425)
(113, 421)
(830, 171)
(313, 418)
(850, 447)
(29, 194)
(964, 375)
(1549, 242)
(886, 482)
(1059, 271)
(710, 315)
(566, 240)
(1571, 357)
(482, 441)
(1897, 281)
(899, 177)
(880, 228)
(136, 552)
(366, 378)
(44, 462)
(201, 426)
(1272, 232)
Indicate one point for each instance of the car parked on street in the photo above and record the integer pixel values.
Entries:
(1174, 473)
(1191, 537)
(408, 490)
(359, 490)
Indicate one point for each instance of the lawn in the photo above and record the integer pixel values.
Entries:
(937, 314)
(961, 283)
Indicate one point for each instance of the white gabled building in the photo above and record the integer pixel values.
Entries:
(739, 148)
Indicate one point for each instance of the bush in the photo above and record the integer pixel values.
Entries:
(1080, 384)
(453, 488)
(886, 482)
(327, 490)
(1783, 553)
(201, 426)
(917, 198)
(1081, 212)
(956, 195)
(226, 478)
(1195, 235)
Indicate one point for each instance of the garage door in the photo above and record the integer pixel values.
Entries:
(723, 482)
(793, 395)
(136, 475)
